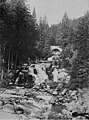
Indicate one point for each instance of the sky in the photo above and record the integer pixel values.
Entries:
(54, 10)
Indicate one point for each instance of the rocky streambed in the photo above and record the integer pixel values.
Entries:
(24, 104)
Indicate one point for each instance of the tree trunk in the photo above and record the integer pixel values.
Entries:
(12, 60)
(9, 59)
(16, 61)
(0, 60)
(0, 63)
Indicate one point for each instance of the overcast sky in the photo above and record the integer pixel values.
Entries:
(55, 9)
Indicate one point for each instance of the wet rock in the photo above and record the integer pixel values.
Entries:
(8, 108)
(51, 116)
(23, 117)
(73, 93)
(67, 113)
(55, 92)
(53, 85)
(19, 110)
(37, 104)
(60, 101)
(2, 102)
(45, 97)
(27, 103)
(52, 101)
(79, 118)
(80, 115)
(1, 91)
(8, 116)
(21, 92)
(36, 87)
(64, 91)
(67, 79)
(60, 115)
(30, 95)
(75, 98)
(11, 83)
(17, 101)
(70, 106)
(39, 115)
(9, 91)
(32, 114)
(54, 116)
(70, 91)
(62, 74)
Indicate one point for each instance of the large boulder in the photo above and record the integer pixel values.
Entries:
(8, 116)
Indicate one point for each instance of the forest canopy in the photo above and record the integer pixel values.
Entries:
(21, 37)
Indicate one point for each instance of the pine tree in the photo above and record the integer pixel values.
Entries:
(17, 33)
(34, 16)
(80, 78)
(43, 31)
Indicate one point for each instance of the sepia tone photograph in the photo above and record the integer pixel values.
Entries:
(44, 59)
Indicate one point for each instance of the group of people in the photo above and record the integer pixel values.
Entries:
(23, 76)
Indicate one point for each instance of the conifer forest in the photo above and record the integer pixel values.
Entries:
(44, 69)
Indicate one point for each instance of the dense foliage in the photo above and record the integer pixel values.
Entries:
(18, 33)
(21, 37)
